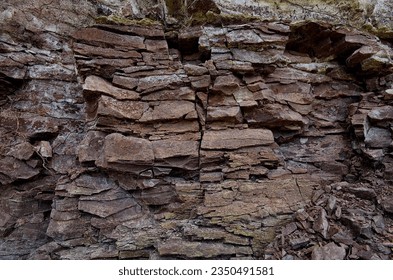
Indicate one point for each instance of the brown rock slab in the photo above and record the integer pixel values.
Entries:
(299, 93)
(133, 110)
(211, 177)
(156, 45)
(235, 66)
(169, 110)
(12, 169)
(92, 51)
(51, 72)
(387, 204)
(105, 208)
(87, 185)
(359, 55)
(381, 113)
(378, 138)
(276, 116)
(330, 251)
(172, 153)
(200, 82)
(158, 82)
(171, 148)
(362, 192)
(244, 97)
(360, 225)
(183, 93)
(226, 84)
(125, 82)
(44, 149)
(91, 146)
(377, 62)
(147, 31)
(188, 249)
(298, 75)
(159, 195)
(198, 233)
(298, 243)
(22, 151)
(266, 57)
(97, 85)
(232, 139)
(321, 223)
(247, 36)
(127, 149)
(224, 113)
(195, 70)
(67, 229)
(94, 35)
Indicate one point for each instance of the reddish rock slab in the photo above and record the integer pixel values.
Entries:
(170, 110)
(232, 139)
(94, 35)
(97, 85)
(330, 251)
(131, 150)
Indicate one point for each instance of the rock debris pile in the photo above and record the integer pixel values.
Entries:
(342, 221)
(260, 140)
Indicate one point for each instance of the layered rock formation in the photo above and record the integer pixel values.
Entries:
(138, 139)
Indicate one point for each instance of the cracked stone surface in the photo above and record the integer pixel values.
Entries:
(124, 136)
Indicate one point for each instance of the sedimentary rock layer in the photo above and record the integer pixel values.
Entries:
(135, 140)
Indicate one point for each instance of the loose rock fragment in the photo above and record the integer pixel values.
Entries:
(331, 251)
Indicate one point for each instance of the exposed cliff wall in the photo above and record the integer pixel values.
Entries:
(132, 131)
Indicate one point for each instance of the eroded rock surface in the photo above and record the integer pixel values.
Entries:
(134, 139)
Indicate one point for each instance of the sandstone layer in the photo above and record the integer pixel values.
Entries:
(127, 133)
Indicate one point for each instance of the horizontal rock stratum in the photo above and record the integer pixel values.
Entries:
(129, 131)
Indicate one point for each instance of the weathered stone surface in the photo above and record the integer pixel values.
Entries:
(12, 169)
(132, 150)
(381, 113)
(88, 50)
(226, 84)
(387, 205)
(91, 146)
(183, 93)
(166, 110)
(235, 139)
(98, 36)
(104, 206)
(328, 252)
(22, 151)
(97, 85)
(267, 57)
(181, 154)
(321, 224)
(276, 116)
(232, 114)
(378, 138)
(108, 106)
(195, 70)
(195, 132)
(161, 195)
(298, 75)
(199, 249)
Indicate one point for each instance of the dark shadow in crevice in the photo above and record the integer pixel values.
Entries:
(188, 46)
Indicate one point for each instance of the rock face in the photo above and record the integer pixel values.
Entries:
(129, 139)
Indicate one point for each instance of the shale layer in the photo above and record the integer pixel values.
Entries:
(132, 140)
